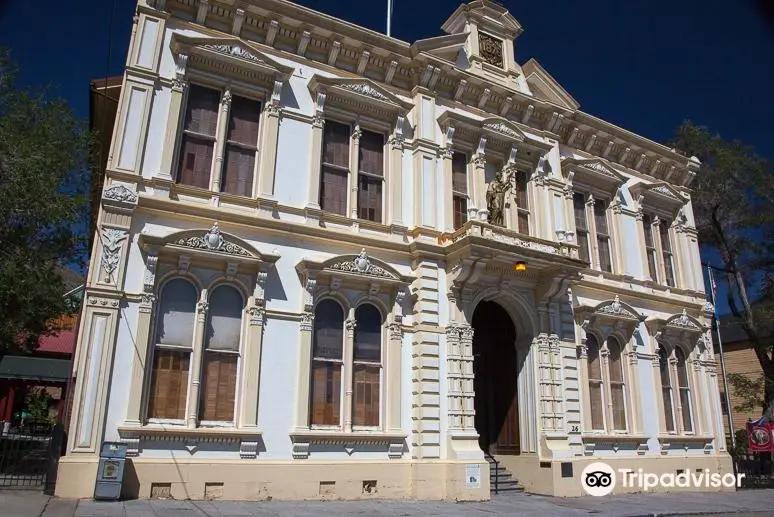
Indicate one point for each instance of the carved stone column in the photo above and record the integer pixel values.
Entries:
(202, 307)
(144, 339)
(179, 85)
(219, 151)
(466, 375)
(301, 420)
(583, 378)
(446, 153)
(313, 199)
(641, 239)
(395, 180)
(349, 344)
(251, 355)
(479, 180)
(354, 166)
(268, 148)
(394, 365)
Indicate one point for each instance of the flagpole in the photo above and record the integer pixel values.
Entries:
(389, 18)
(729, 410)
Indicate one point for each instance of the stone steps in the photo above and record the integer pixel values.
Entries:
(505, 482)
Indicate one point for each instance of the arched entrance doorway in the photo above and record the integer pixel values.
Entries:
(495, 371)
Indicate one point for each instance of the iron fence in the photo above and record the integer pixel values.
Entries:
(29, 457)
(757, 469)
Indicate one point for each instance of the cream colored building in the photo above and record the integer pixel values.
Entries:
(305, 279)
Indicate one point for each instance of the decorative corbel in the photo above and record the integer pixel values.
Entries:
(239, 20)
(363, 61)
(527, 114)
(624, 155)
(505, 107)
(231, 269)
(640, 161)
(425, 80)
(183, 263)
(309, 289)
(654, 168)
(333, 54)
(391, 72)
(590, 143)
(319, 114)
(335, 284)
(303, 42)
(274, 107)
(181, 63)
(608, 148)
(202, 10)
(434, 78)
(550, 122)
(460, 89)
(670, 173)
(573, 135)
(482, 100)
(271, 33)
(448, 150)
(373, 289)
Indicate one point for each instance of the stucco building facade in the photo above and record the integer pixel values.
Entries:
(330, 263)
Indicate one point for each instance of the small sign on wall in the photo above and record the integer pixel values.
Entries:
(473, 476)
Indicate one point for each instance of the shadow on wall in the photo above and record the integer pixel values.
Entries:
(131, 486)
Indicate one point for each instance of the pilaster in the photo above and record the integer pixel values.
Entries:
(171, 137)
(354, 165)
(349, 345)
(216, 173)
(192, 418)
(267, 164)
(251, 353)
(446, 153)
(306, 325)
(315, 161)
(394, 365)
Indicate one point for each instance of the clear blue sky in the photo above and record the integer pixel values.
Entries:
(644, 65)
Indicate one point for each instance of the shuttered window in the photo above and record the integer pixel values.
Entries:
(603, 235)
(596, 406)
(175, 324)
(199, 133)
(460, 188)
(581, 226)
(370, 176)
(241, 146)
(685, 390)
(522, 202)
(335, 167)
(666, 389)
(327, 363)
(617, 393)
(666, 249)
(221, 355)
(650, 246)
(367, 366)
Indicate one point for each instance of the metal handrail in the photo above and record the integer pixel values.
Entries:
(497, 471)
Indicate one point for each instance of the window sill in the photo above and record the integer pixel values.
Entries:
(304, 439)
(167, 431)
(605, 437)
(676, 437)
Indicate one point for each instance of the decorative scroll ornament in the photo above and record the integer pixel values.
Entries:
(234, 50)
(616, 308)
(214, 241)
(684, 322)
(598, 167)
(111, 250)
(365, 89)
(491, 49)
(499, 127)
(708, 307)
(257, 315)
(307, 321)
(664, 191)
(120, 193)
(362, 265)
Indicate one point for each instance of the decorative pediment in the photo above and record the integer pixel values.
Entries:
(680, 328)
(613, 309)
(358, 91)
(211, 243)
(660, 196)
(445, 47)
(685, 322)
(499, 132)
(502, 127)
(488, 14)
(212, 51)
(360, 265)
(545, 87)
(595, 174)
(355, 268)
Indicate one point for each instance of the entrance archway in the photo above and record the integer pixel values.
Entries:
(495, 370)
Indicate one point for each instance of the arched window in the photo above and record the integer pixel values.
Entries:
(221, 355)
(327, 362)
(617, 398)
(666, 389)
(685, 390)
(172, 352)
(367, 366)
(595, 383)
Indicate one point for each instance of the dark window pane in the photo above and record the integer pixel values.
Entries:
(333, 190)
(600, 216)
(369, 198)
(244, 117)
(523, 218)
(176, 321)
(195, 162)
(328, 330)
(336, 143)
(605, 264)
(224, 319)
(522, 201)
(459, 173)
(366, 386)
(169, 384)
(368, 334)
(202, 110)
(460, 211)
(371, 149)
(325, 407)
(579, 207)
(583, 245)
(663, 230)
(238, 171)
(218, 391)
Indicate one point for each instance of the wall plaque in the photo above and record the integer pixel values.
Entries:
(491, 49)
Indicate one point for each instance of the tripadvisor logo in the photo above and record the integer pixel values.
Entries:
(599, 479)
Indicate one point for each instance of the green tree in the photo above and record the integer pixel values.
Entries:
(43, 184)
(733, 203)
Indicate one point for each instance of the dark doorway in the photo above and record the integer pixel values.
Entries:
(495, 369)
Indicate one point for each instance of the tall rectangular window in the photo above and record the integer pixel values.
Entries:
(522, 203)
(603, 235)
(460, 188)
(617, 393)
(241, 146)
(666, 249)
(335, 168)
(581, 226)
(595, 383)
(650, 246)
(367, 366)
(327, 363)
(199, 135)
(370, 176)
(666, 389)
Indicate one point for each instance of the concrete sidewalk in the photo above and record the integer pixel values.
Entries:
(756, 503)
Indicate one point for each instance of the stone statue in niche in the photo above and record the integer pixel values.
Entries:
(495, 199)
